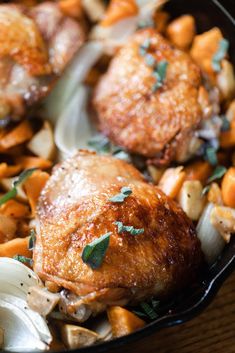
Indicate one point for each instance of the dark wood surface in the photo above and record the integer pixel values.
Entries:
(211, 332)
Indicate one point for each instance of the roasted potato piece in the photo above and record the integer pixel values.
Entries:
(215, 194)
(228, 188)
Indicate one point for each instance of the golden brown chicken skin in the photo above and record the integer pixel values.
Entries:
(36, 44)
(151, 123)
(74, 209)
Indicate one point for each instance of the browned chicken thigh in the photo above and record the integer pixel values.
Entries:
(143, 114)
(75, 209)
(36, 44)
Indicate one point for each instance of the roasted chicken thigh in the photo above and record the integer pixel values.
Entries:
(75, 209)
(144, 115)
(36, 44)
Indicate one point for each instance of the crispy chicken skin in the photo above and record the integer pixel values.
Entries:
(74, 209)
(152, 124)
(36, 44)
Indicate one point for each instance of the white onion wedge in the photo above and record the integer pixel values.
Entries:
(212, 242)
(73, 128)
(24, 329)
(70, 80)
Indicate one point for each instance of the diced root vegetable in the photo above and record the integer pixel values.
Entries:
(6, 184)
(41, 300)
(191, 200)
(171, 181)
(15, 209)
(198, 171)
(212, 243)
(204, 47)
(42, 144)
(155, 173)
(230, 113)
(228, 188)
(181, 31)
(95, 9)
(72, 8)
(123, 322)
(33, 187)
(215, 194)
(226, 80)
(223, 219)
(8, 227)
(17, 246)
(118, 10)
(9, 170)
(22, 133)
(77, 337)
(27, 162)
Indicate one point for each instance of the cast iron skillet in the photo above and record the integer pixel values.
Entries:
(208, 13)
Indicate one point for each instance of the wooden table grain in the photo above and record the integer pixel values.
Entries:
(213, 331)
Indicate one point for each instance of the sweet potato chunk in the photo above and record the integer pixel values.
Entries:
(123, 322)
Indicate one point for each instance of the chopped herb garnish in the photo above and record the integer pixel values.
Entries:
(148, 310)
(129, 229)
(125, 192)
(20, 180)
(150, 60)
(100, 143)
(220, 55)
(24, 260)
(217, 174)
(160, 74)
(225, 123)
(123, 155)
(93, 254)
(205, 190)
(32, 239)
(211, 156)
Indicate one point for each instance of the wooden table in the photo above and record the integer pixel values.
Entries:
(211, 332)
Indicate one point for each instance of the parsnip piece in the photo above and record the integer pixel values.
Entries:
(123, 322)
(223, 219)
(77, 337)
(41, 300)
(181, 31)
(191, 200)
(42, 144)
(226, 80)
